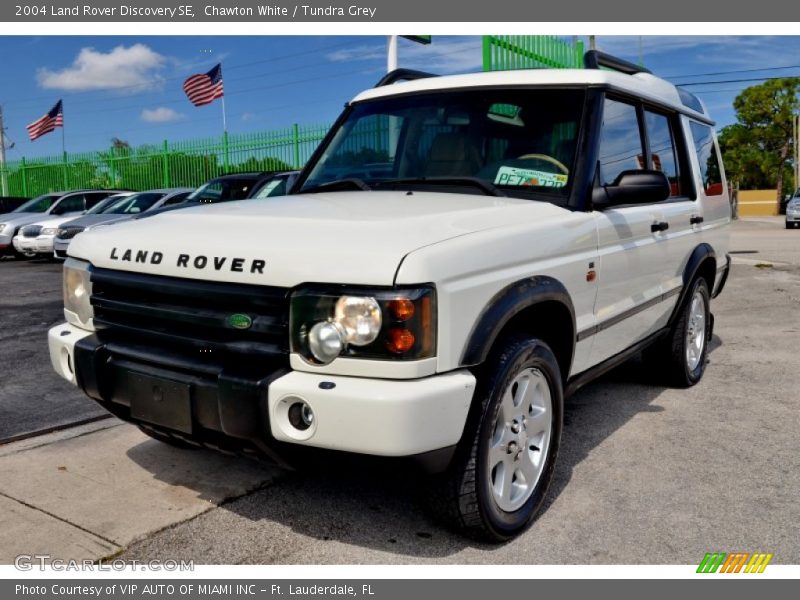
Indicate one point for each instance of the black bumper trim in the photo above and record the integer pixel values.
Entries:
(228, 408)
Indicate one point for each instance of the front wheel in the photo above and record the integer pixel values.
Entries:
(499, 477)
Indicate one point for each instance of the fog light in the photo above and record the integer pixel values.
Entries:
(301, 416)
(326, 341)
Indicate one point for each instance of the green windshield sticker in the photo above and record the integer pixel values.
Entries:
(529, 177)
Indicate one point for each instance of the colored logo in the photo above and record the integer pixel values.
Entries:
(240, 321)
(738, 562)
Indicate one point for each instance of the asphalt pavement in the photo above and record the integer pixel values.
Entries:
(32, 396)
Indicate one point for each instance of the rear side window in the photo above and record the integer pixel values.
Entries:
(662, 150)
(620, 141)
(707, 156)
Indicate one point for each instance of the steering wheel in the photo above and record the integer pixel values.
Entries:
(546, 158)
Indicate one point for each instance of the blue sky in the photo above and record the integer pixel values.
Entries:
(129, 87)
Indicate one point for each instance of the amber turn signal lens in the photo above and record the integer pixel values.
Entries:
(401, 309)
(399, 340)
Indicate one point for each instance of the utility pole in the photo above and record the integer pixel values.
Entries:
(3, 173)
(796, 127)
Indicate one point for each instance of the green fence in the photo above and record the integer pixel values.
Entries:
(169, 164)
(504, 52)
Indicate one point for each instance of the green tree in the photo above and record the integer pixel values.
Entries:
(758, 148)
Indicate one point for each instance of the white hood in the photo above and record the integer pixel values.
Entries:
(343, 237)
(54, 221)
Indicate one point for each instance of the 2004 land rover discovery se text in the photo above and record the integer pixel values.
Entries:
(459, 255)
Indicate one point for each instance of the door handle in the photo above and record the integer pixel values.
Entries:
(659, 226)
(696, 220)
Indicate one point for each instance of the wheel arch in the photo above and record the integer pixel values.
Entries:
(702, 263)
(538, 305)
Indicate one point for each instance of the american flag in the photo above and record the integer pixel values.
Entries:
(48, 123)
(204, 88)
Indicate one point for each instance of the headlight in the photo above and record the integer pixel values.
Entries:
(49, 231)
(78, 308)
(3, 227)
(379, 324)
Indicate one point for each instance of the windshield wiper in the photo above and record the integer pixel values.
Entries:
(338, 184)
(487, 188)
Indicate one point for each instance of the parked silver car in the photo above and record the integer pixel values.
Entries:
(41, 208)
(123, 208)
(793, 211)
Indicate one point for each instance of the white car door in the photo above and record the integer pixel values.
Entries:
(633, 256)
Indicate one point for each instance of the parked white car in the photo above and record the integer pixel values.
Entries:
(460, 254)
(49, 207)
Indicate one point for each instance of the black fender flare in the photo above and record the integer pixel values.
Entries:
(508, 303)
(698, 256)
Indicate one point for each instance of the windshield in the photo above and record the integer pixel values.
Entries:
(135, 204)
(517, 142)
(223, 190)
(104, 204)
(37, 205)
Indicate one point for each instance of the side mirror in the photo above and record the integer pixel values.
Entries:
(633, 187)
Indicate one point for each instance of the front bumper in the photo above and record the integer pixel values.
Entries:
(37, 245)
(224, 408)
(792, 217)
(60, 247)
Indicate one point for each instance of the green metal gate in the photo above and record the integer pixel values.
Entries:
(505, 52)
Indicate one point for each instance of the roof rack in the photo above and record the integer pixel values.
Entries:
(594, 59)
(402, 75)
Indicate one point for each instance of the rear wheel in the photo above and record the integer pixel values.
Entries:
(681, 356)
(499, 476)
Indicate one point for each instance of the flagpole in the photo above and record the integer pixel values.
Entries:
(63, 146)
(225, 149)
(224, 120)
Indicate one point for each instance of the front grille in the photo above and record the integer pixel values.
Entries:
(191, 318)
(31, 231)
(67, 233)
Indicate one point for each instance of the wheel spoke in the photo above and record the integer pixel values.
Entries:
(530, 471)
(497, 454)
(524, 388)
(538, 422)
(508, 478)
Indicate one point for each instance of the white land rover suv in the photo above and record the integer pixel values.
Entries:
(459, 255)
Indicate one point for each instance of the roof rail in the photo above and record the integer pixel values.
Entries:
(402, 75)
(594, 59)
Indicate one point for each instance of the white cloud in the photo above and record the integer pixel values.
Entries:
(443, 55)
(162, 114)
(135, 68)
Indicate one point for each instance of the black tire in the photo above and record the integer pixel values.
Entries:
(669, 358)
(165, 438)
(462, 496)
(789, 225)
